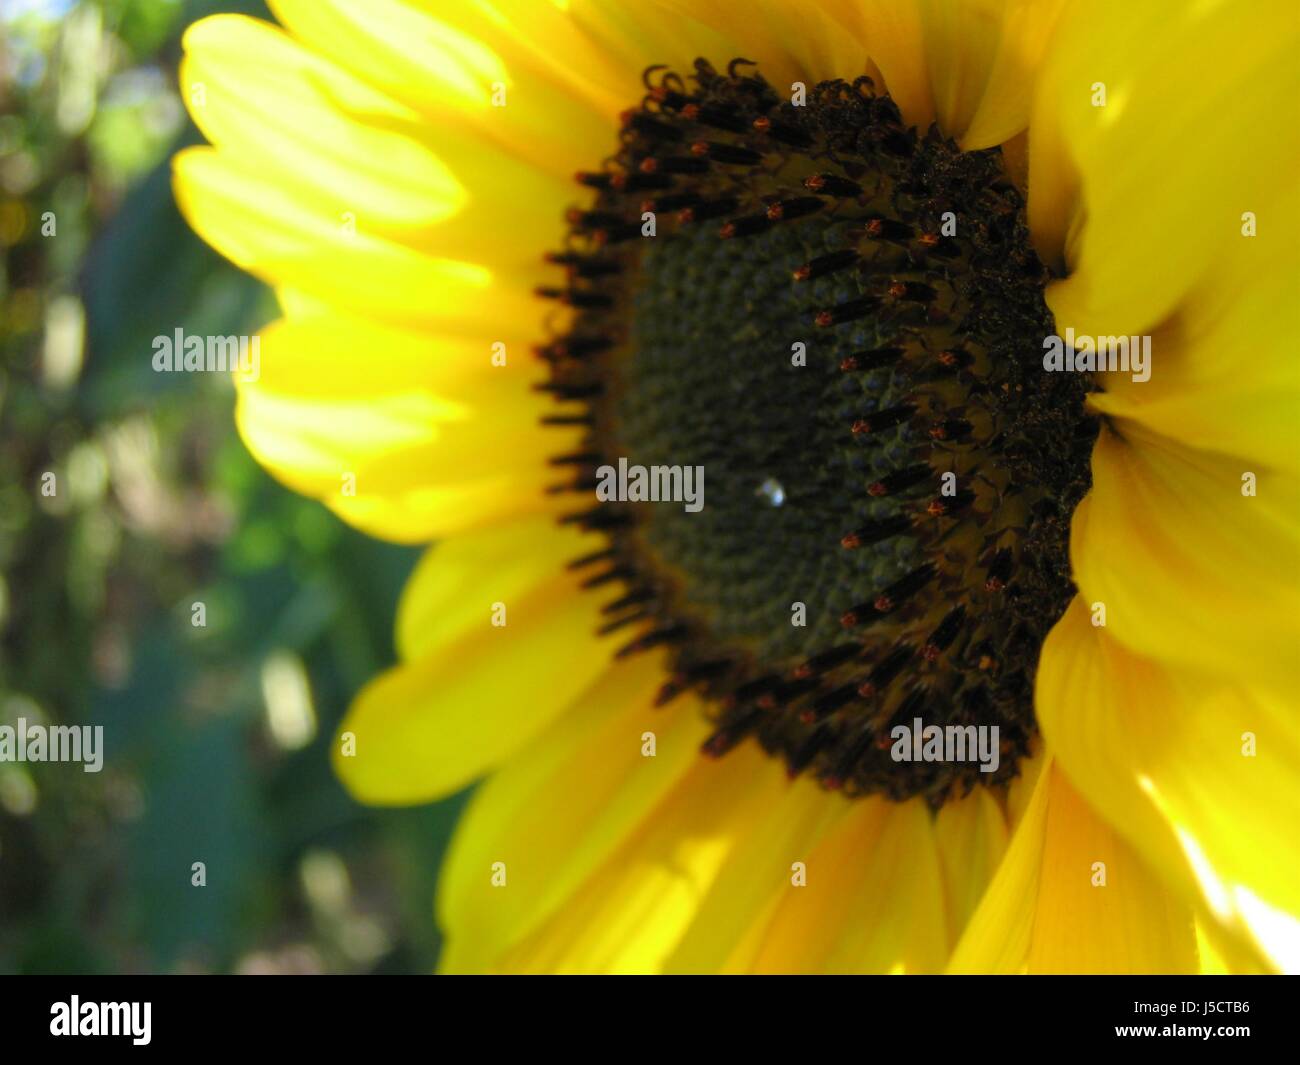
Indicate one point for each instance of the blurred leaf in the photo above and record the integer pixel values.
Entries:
(148, 275)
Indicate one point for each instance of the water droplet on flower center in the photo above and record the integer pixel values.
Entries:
(771, 490)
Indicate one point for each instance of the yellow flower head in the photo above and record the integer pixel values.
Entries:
(859, 442)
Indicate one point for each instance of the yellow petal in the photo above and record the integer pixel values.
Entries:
(972, 837)
(1188, 568)
(435, 723)
(314, 247)
(1198, 772)
(556, 811)
(1185, 88)
(807, 44)
(961, 41)
(892, 34)
(1224, 373)
(252, 89)
(631, 913)
(1099, 908)
(512, 75)
(1049, 910)
(873, 901)
(757, 875)
(423, 514)
(628, 38)
(984, 59)
(1022, 787)
(1212, 963)
(352, 152)
(997, 938)
(444, 597)
(970, 65)
(439, 418)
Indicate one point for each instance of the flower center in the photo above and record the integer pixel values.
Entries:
(822, 335)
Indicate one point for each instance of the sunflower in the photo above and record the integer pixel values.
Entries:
(820, 252)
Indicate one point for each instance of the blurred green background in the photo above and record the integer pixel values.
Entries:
(216, 736)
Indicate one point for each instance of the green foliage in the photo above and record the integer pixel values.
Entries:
(158, 507)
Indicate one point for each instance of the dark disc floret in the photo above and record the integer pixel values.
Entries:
(841, 321)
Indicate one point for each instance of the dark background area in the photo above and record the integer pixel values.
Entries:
(217, 736)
